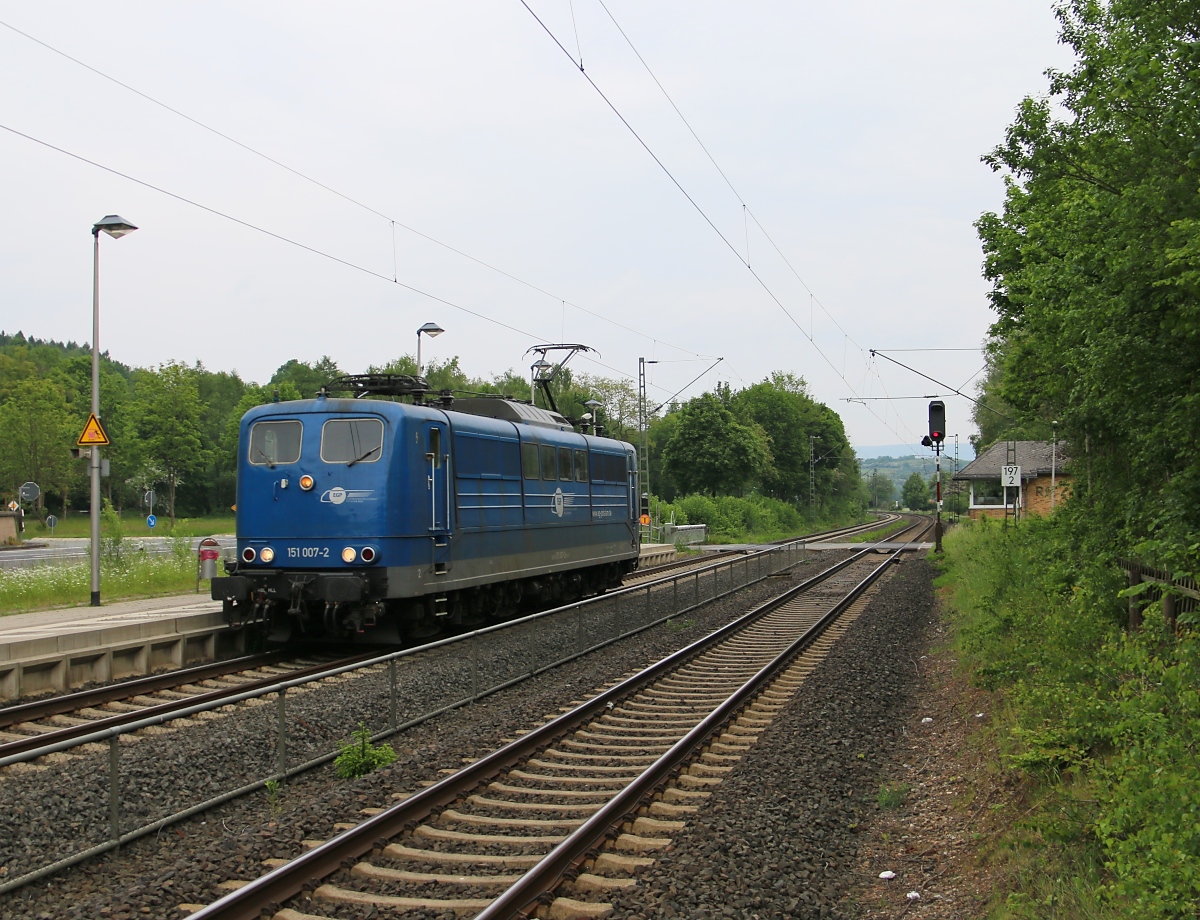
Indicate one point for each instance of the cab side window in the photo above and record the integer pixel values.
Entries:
(529, 460)
(275, 442)
(549, 467)
(564, 464)
(581, 466)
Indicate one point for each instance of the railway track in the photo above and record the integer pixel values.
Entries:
(58, 719)
(567, 814)
(61, 718)
(643, 575)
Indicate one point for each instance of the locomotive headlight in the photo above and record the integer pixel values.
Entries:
(248, 554)
(306, 482)
(348, 554)
(368, 554)
(266, 554)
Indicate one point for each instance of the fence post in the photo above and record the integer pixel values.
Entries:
(1135, 607)
(393, 701)
(114, 787)
(281, 735)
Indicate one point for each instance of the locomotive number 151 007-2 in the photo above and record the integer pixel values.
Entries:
(308, 552)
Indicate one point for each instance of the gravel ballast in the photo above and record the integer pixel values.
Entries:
(779, 836)
(186, 863)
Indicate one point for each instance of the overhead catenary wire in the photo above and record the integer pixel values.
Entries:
(349, 198)
(291, 242)
(717, 166)
(699, 210)
(956, 392)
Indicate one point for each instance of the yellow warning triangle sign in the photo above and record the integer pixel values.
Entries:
(94, 434)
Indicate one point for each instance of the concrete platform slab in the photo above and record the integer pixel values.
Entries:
(57, 650)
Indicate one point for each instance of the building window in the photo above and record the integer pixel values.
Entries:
(986, 493)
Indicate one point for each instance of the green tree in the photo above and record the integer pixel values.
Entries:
(36, 435)
(169, 422)
(306, 378)
(1095, 267)
(792, 419)
(915, 494)
(881, 490)
(712, 452)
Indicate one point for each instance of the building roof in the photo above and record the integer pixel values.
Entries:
(1033, 457)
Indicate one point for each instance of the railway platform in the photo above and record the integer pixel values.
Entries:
(55, 650)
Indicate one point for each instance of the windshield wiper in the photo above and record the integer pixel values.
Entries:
(364, 456)
(270, 462)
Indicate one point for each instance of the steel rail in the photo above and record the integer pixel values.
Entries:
(166, 710)
(272, 889)
(98, 696)
(576, 848)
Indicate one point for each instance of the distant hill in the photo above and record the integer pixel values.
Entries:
(898, 469)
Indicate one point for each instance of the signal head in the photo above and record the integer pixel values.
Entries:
(937, 421)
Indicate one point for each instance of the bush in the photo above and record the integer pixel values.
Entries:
(358, 756)
(733, 520)
(1106, 722)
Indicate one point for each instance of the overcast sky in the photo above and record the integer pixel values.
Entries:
(851, 130)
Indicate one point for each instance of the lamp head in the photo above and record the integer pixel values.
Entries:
(433, 330)
(113, 225)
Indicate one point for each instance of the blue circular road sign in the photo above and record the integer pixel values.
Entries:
(151, 520)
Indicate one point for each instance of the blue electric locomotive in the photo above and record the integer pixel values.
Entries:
(373, 520)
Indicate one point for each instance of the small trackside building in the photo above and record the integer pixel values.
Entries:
(1033, 496)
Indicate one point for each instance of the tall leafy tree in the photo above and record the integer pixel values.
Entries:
(915, 494)
(712, 452)
(170, 425)
(37, 433)
(1095, 266)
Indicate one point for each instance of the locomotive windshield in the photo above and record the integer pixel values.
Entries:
(352, 440)
(275, 442)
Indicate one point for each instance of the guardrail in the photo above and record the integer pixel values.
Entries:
(462, 670)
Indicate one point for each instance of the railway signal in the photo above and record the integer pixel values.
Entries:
(937, 434)
(937, 421)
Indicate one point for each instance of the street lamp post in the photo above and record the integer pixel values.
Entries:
(116, 227)
(1053, 462)
(594, 405)
(433, 330)
(539, 369)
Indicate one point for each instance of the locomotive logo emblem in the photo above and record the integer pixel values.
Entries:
(337, 495)
(559, 502)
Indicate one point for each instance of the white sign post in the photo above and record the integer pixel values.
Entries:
(1010, 478)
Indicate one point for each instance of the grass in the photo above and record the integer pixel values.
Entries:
(124, 574)
(893, 796)
(873, 535)
(1099, 723)
(133, 524)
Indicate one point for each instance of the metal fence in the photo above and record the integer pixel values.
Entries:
(261, 738)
